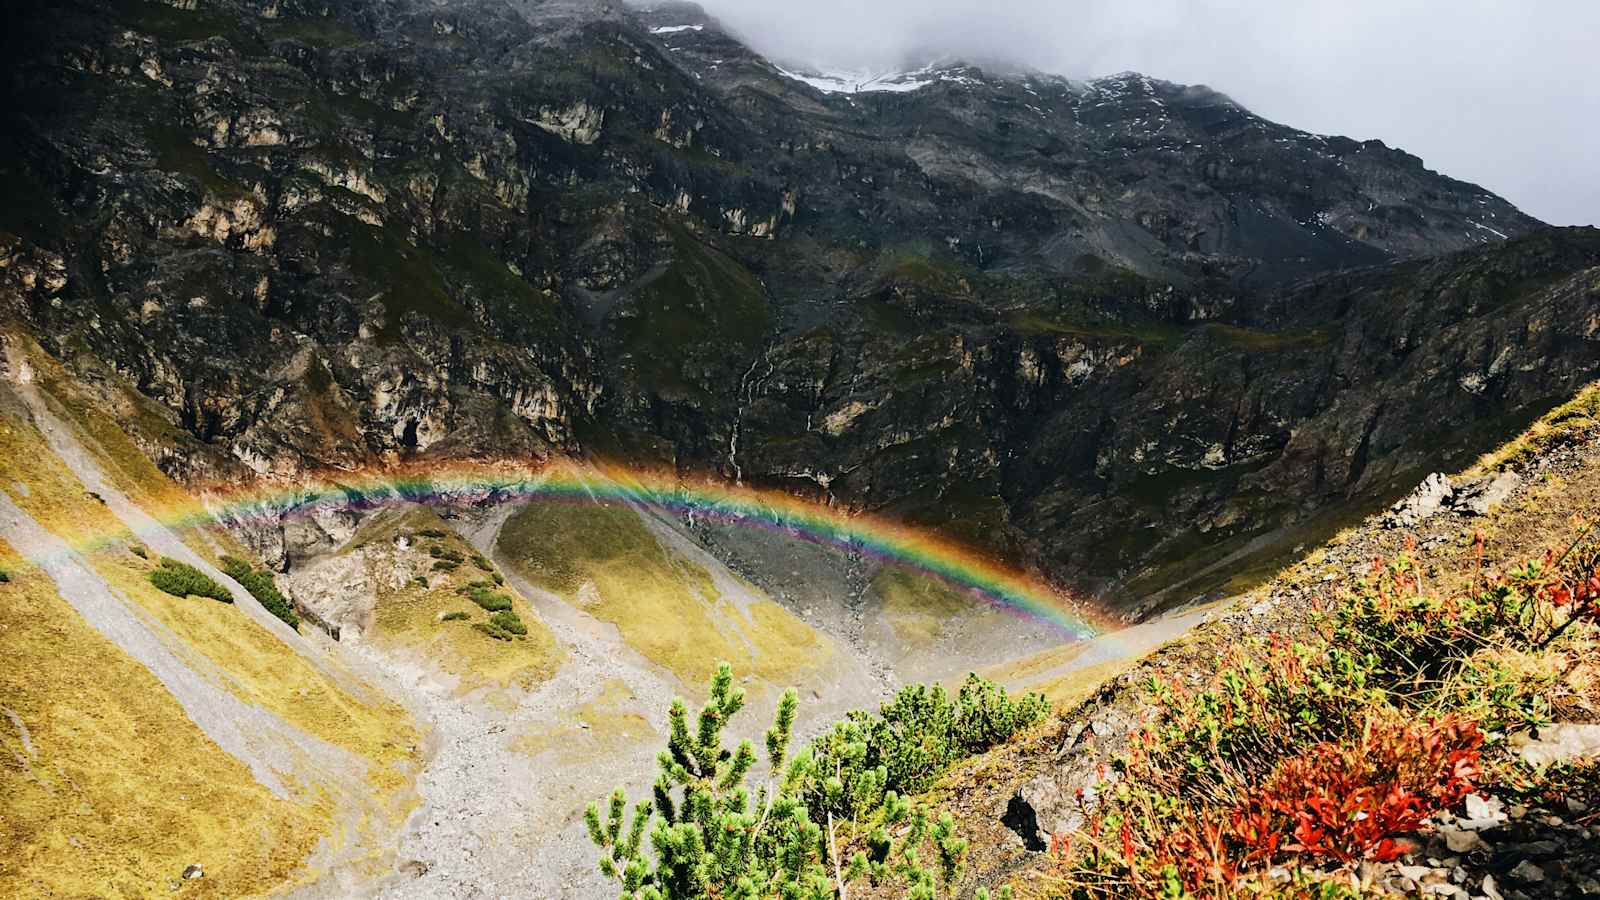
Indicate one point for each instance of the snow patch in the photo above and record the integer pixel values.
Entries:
(674, 29)
(862, 82)
(1501, 235)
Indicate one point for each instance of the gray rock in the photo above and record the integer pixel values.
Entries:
(1461, 841)
(1526, 872)
(1476, 498)
(1560, 743)
(1037, 811)
(1429, 497)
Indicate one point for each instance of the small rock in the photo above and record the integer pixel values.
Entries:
(1415, 873)
(1490, 889)
(1429, 497)
(1478, 497)
(193, 871)
(1576, 807)
(1526, 872)
(1462, 841)
(1559, 743)
(1539, 850)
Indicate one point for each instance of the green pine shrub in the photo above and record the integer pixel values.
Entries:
(508, 621)
(261, 586)
(453, 617)
(183, 580)
(481, 593)
(445, 565)
(5, 577)
(434, 533)
(713, 834)
(494, 631)
(445, 553)
(482, 562)
(915, 737)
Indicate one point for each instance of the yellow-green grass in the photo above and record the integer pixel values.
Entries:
(916, 606)
(1571, 421)
(666, 607)
(121, 790)
(1066, 690)
(592, 728)
(409, 617)
(262, 669)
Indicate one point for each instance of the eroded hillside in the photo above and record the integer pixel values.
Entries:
(1068, 321)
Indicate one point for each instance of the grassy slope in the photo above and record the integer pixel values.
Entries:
(917, 606)
(98, 808)
(408, 616)
(601, 557)
(261, 669)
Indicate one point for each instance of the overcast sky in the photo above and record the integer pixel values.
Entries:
(1505, 93)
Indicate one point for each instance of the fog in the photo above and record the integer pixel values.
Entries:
(1504, 93)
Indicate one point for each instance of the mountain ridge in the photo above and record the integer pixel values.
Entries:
(404, 229)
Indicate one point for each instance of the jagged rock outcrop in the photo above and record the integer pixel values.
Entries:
(1123, 331)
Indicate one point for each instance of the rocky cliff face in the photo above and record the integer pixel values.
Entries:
(1119, 330)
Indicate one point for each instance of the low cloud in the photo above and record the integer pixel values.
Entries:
(1505, 93)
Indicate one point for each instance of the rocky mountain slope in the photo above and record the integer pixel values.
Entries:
(1114, 330)
(1436, 581)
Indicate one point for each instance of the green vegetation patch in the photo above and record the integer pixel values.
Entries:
(177, 152)
(260, 584)
(1261, 341)
(854, 777)
(706, 302)
(1037, 322)
(183, 580)
(917, 606)
(409, 277)
(666, 607)
(483, 594)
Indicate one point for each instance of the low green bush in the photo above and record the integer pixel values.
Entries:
(139, 551)
(434, 533)
(481, 593)
(261, 586)
(453, 617)
(482, 562)
(506, 620)
(445, 553)
(4, 576)
(498, 634)
(183, 580)
(914, 738)
(445, 565)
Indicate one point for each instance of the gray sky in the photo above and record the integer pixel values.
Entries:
(1505, 93)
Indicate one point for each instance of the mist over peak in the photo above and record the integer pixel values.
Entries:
(1490, 92)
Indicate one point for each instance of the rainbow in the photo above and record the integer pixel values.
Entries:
(672, 493)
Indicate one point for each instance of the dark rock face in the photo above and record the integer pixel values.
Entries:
(1119, 330)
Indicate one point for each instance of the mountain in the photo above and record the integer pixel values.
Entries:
(1002, 304)
(484, 371)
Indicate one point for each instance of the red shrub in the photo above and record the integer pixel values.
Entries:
(1350, 801)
